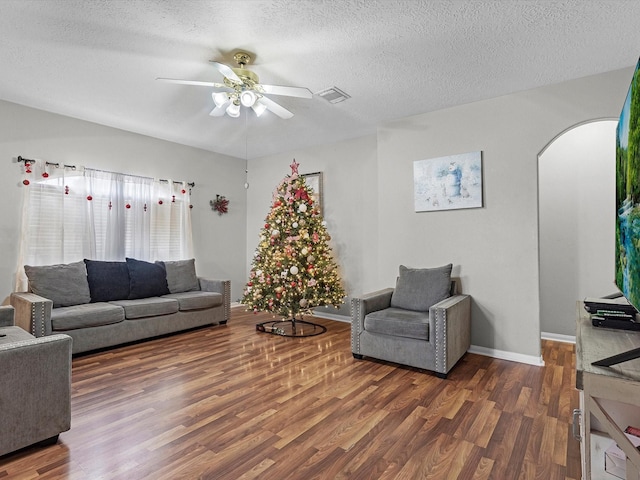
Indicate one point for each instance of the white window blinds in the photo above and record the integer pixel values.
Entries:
(70, 214)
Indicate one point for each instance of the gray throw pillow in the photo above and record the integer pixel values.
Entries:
(65, 284)
(420, 288)
(181, 275)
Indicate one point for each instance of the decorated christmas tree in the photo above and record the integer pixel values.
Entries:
(293, 270)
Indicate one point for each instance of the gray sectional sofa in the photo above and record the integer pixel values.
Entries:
(103, 304)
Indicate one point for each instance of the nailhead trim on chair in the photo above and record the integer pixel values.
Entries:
(227, 295)
(37, 310)
(33, 319)
(441, 340)
(355, 314)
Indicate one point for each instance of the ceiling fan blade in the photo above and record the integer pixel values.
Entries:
(300, 92)
(279, 110)
(193, 82)
(226, 70)
(218, 111)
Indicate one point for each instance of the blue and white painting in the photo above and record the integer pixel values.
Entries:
(447, 183)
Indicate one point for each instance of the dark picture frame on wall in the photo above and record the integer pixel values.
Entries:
(314, 182)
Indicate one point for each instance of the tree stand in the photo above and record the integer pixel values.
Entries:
(291, 328)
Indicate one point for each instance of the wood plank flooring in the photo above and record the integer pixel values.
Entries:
(227, 402)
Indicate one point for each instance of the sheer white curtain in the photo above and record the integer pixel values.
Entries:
(75, 213)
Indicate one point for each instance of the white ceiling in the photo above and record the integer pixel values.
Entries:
(97, 60)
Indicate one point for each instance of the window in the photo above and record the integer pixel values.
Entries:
(70, 214)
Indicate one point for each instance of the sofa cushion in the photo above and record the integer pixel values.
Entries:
(196, 300)
(107, 280)
(146, 279)
(398, 322)
(147, 307)
(181, 275)
(88, 315)
(63, 284)
(420, 288)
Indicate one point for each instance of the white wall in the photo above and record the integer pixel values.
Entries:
(495, 248)
(219, 242)
(577, 222)
(349, 202)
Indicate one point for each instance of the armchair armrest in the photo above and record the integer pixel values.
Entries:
(361, 307)
(450, 330)
(32, 313)
(219, 286)
(7, 316)
(36, 390)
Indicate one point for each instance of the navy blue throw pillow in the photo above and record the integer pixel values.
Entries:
(146, 279)
(107, 280)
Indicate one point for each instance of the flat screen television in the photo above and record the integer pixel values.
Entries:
(627, 259)
(627, 247)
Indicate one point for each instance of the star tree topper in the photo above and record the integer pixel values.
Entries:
(294, 167)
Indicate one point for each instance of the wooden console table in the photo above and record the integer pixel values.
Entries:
(609, 396)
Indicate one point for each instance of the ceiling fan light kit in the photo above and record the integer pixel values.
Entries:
(248, 98)
(233, 110)
(220, 98)
(242, 87)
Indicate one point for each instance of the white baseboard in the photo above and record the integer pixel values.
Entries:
(332, 316)
(511, 356)
(557, 337)
(236, 304)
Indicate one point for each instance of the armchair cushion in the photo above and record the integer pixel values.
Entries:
(65, 285)
(418, 289)
(399, 323)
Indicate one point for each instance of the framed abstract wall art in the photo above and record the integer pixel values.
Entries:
(448, 183)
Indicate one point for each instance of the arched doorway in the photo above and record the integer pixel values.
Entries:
(576, 219)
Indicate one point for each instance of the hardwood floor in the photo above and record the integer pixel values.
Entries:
(227, 402)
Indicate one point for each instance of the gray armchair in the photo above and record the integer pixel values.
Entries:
(35, 386)
(428, 328)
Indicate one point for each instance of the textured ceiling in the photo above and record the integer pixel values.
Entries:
(97, 60)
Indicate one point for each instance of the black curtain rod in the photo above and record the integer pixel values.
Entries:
(175, 182)
(73, 167)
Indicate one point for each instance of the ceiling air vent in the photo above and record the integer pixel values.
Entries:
(333, 95)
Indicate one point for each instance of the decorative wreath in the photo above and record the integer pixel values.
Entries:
(220, 204)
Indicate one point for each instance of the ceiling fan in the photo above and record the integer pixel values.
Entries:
(241, 87)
